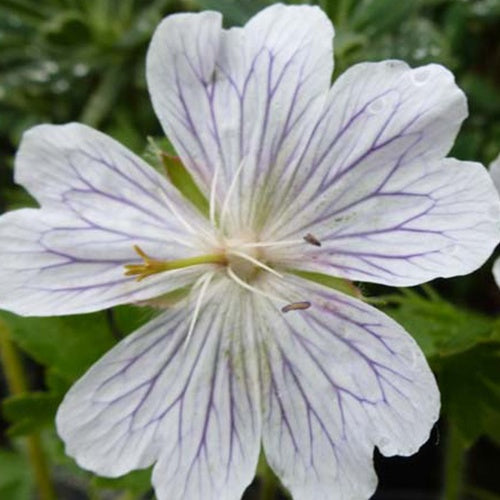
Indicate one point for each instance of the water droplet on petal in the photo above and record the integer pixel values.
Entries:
(420, 75)
(377, 106)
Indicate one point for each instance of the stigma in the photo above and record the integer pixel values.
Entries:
(151, 266)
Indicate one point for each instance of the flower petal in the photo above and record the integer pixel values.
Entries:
(496, 271)
(98, 200)
(373, 186)
(192, 408)
(495, 176)
(442, 223)
(247, 95)
(495, 172)
(338, 379)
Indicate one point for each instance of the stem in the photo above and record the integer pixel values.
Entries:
(343, 12)
(454, 465)
(430, 292)
(16, 381)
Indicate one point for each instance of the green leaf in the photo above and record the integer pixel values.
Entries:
(439, 327)
(161, 154)
(482, 93)
(102, 100)
(68, 344)
(338, 284)
(15, 476)
(56, 383)
(128, 319)
(30, 412)
(470, 390)
(137, 482)
(381, 15)
(68, 28)
(235, 12)
(184, 182)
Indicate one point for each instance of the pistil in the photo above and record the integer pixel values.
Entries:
(151, 266)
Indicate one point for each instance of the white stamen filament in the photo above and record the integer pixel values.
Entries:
(255, 262)
(270, 244)
(243, 284)
(176, 214)
(204, 282)
(185, 223)
(225, 205)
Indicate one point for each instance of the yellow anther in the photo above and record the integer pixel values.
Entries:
(153, 266)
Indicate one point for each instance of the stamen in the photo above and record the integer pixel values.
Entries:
(312, 240)
(243, 284)
(254, 261)
(296, 306)
(183, 221)
(176, 214)
(153, 266)
(225, 205)
(265, 244)
(205, 281)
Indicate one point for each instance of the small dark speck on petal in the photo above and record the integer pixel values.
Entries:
(312, 240)
(296, 306)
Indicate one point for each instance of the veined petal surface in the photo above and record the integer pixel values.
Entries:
(373, 186)
(97, 200)
(338, 379)
(495, 175)
(495, 172)
(193, 408)
(240, 98)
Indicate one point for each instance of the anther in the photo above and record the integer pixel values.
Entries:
(312, 240)
(296, 306)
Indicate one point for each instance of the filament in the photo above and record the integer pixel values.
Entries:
(243, 284)
(254, 261)
(225, 205)
(204, 281)
(270, 244)
(183, 221)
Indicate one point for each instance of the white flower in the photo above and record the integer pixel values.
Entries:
(348, 180)
(495, 175)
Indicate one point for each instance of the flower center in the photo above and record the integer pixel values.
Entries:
(243, 262)
(240, 259)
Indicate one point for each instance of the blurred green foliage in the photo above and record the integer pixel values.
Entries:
(15, 481)
(83, 60)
